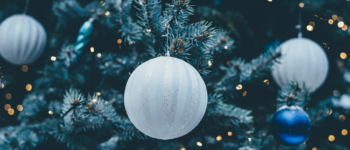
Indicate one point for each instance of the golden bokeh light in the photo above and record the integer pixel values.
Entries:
(267, 81)
(309, 27)
(331, 138)
(312, 23)
(29, 87)
(340, 24)
(244, 93)
(24, 68)
(94, 100)
(53, 58)
(225, 47)
(330, 21)
(199, 144)
(228, 62)
(345, 27)
(2, 85)
(219, 138)
(98, 93)
(341, 118)
(344, 132)
(11, 111)
(50, 112)
(19, 107)
(249, 139)
(92, 49)
(334, 17)
(107, 13)
(209, 63)
(181, 148)
(315, 148)
(148, 30)
(301, 5)
(99, 55)
(119, 41)
(269, 0)
(343, 55)
(8, 96)
(229, 133)
(7, 107)
(239, 87)
(130, 43)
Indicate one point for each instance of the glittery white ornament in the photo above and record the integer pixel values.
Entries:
(165, 98)
(22, 39)
(304, 61)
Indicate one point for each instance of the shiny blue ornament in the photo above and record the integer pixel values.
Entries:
(290, 125)
(83, 36)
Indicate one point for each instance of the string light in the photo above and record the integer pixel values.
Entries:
(267, 81)
(53, 58)
(119, 41)
(24, 68)
(28, 87)
(225, 47)
(330, 112)
(301, 5)
(269, 0)
(343, 55)
(209, 63)
(8, 96)
(312, 23)
(341, 118)
(309, 27)
(229, 133)
(130, 43)
(181, 148)
(107, 13)
(228, 62)
(50, 112)
(334, 17)
(7, 107)
(244, 93)
(199, 144)
(331, 138)
(141, 4)
(340, 24)
(345, 27)
(330, 21)
(249, 139)
(315, 148)
(219, 138)
(11, 111)
(239, 87)
(92, 49)
(99, 55)
(148, 30)
(344, 132)
(2, 85)
(98, 93)
(94, 100)
(19, 107)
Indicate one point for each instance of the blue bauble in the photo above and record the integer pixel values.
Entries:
(290, 125)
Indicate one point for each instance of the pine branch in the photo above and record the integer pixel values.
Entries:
(268, 61)
(149, 18)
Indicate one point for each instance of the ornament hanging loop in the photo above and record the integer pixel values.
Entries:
(26, 7)
(300, 34)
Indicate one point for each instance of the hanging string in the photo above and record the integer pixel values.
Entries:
(300, 33)
(26, 7)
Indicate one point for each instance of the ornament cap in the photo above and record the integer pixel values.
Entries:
(167, 54)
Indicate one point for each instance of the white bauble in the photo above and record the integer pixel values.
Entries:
(304, 61)
(22, 39)
(165, 98)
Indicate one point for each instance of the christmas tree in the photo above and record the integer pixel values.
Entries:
(174, 74)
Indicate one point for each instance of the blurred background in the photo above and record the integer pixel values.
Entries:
(253, 24)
